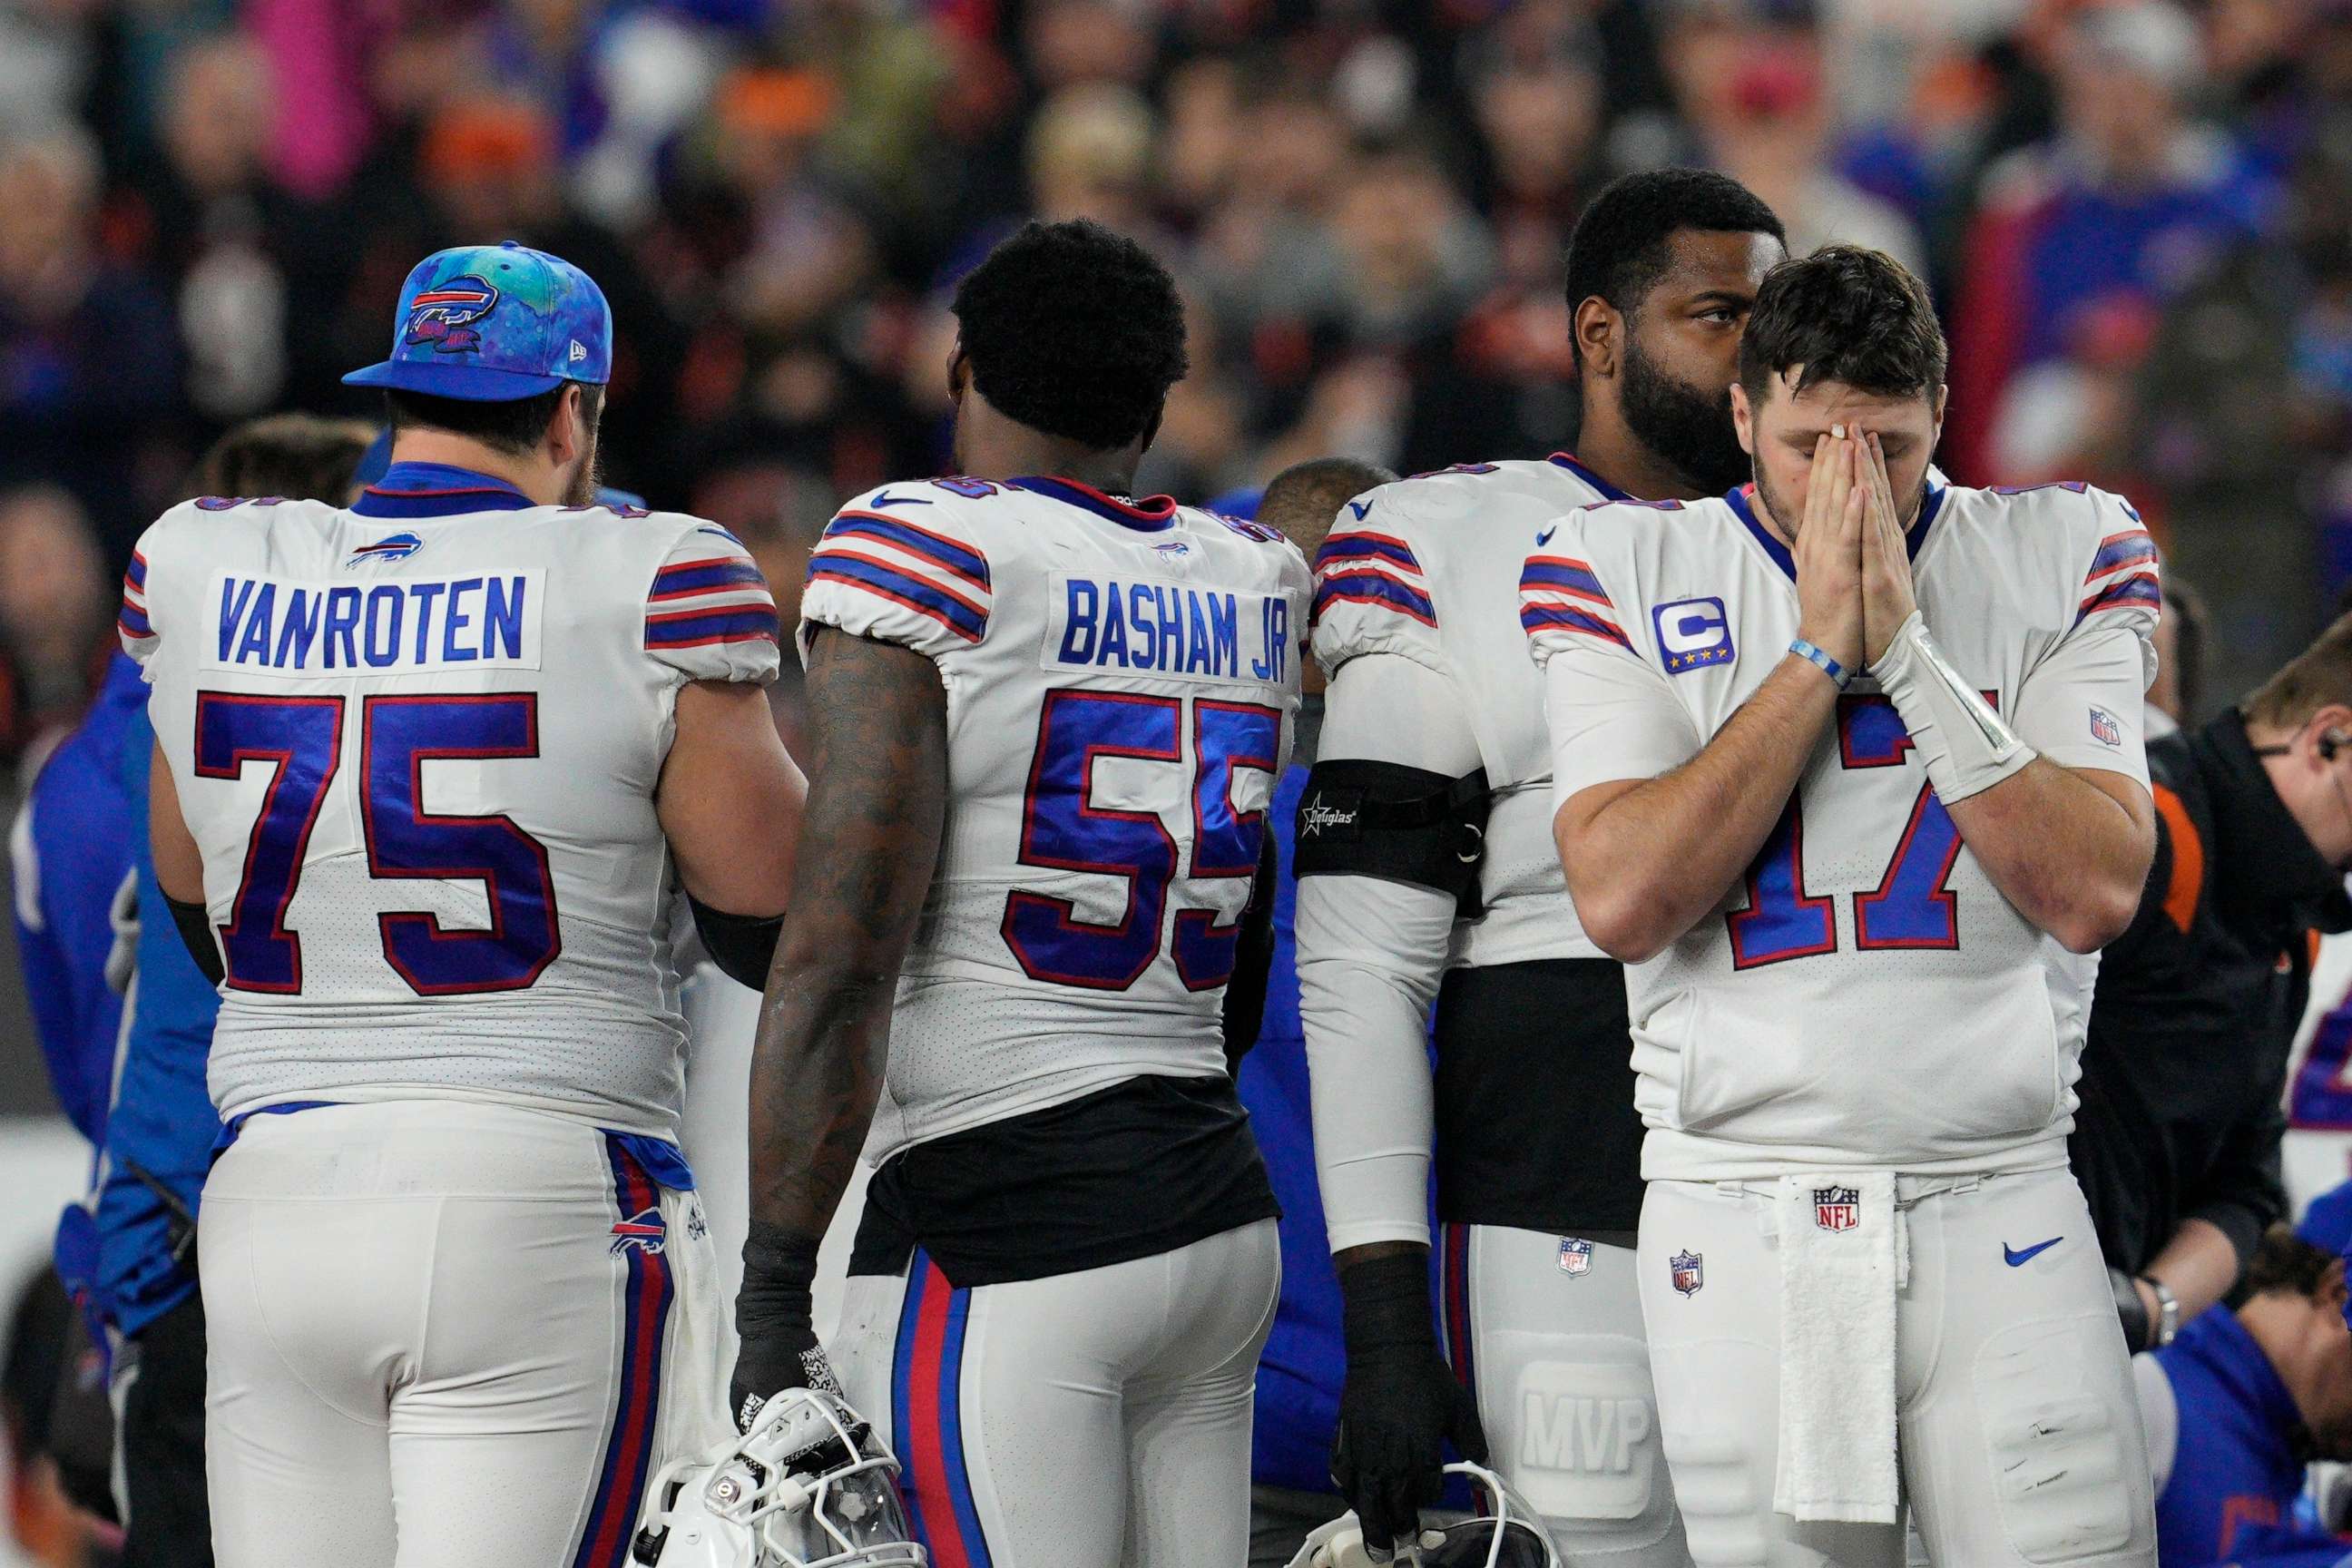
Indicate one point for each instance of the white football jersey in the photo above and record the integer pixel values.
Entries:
(418, 743)
(1865, 997)
(1428, 568)
(1123, 684)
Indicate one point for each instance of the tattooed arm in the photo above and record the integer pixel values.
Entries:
(870, 838)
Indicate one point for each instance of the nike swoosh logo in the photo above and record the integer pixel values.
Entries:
(884, 497)
(1544, 537)
(1361, 507)
(2013, 1256)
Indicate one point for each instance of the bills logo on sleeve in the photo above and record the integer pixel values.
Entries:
(1693, 634)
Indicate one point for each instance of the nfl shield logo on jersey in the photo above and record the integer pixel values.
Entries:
(2104, 727)
(1575, 1255)
(642, 1230)
(1687, 1269)
(1837, 1209)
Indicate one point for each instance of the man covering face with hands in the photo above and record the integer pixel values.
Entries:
(1847, 768)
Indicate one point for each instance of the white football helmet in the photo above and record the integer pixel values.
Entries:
(809, 1486)
(1502, 1531)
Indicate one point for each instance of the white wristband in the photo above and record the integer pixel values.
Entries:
(1967, 747)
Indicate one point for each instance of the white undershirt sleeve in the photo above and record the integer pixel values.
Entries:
(1371, 956)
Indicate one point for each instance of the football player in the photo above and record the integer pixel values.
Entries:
(1427, 872)
(1849, 771)
(1047, 718)
(429, 768)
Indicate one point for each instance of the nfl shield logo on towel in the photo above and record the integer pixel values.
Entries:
(1687, 1272)
(1575, 1255)
(1837, 1209)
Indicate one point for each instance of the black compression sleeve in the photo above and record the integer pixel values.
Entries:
(196, 931)
(1245, 1007)
(742, 945)
(1400, 824)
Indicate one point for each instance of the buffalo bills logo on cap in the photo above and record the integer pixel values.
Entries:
(444, 315)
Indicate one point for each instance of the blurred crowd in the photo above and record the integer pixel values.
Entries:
(2137, 217)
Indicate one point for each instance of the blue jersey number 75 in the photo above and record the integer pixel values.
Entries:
(300, 739)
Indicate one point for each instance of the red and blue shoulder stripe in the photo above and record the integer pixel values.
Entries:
(703, 596)
(1377, 569)
(1562, 594)
(2123, 575)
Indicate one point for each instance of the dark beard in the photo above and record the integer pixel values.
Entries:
(1688, 428)
(588, 477)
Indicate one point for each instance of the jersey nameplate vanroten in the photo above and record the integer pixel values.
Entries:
(314, 630)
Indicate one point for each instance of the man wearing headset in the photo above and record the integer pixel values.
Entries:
(2177, 1142)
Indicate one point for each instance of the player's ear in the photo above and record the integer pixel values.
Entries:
(567, 433)
(1743, 418)
(959, 374)
(2330, 1294)
(1936, 412)
(1596, 326)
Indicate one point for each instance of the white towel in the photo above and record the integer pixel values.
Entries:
(1840, 1263)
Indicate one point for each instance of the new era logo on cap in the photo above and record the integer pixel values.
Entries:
(491, 323)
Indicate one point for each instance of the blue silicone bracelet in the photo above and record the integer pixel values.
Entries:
(1839, 675)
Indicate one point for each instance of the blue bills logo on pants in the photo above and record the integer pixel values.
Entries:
(642, 1230)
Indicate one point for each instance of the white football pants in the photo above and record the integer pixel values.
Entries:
(1085, 1420)
(447, 1335)
(1546, 1330)
(2019, 1430)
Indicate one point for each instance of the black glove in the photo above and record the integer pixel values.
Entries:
(2139, 1335)
(1400, 1404)
(775, 1316)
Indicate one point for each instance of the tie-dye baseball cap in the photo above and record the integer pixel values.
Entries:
(490, 323)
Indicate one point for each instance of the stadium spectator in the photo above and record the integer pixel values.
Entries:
(2176, 1140)
(1752, 79)
(87, 383)
(2122, 205)
(53, 616)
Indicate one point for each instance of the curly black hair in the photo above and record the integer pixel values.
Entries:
(1847, 314)
(1623, 241)
(1075, 330)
